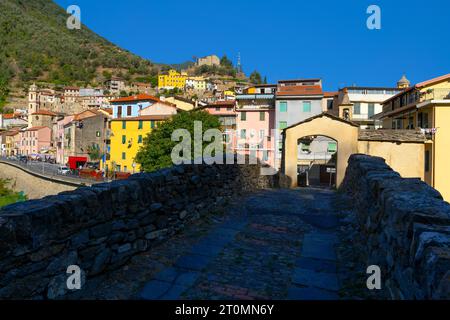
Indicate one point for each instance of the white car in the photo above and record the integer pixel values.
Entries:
(63, 170)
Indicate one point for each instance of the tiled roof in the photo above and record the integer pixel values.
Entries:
(391, 135)
(139, 97)
(299, 90)
(434, 80)
(147, 117)
(419, 86)
(11, 133)
(36, 128)
(86, 114)
(323, 114)
(8, 116)
(330, 94)
(44, 112)
(221, 103)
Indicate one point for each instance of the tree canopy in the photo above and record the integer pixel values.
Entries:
(157, 147)
(255, 77)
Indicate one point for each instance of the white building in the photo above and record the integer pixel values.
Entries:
(366, 103)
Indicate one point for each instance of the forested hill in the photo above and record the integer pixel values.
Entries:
(36, 45)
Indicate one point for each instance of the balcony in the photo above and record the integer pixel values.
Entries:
(435, 94)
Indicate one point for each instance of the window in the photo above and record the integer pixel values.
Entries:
(425, 121)
(217, 108)
(124, 139)
(357, 108)
(282, 125)
(427, 161)
(125, 169)
(140, 125)
(306, 106)
(243, 116)
(152, 124)
(411, 122)
(140, 139)
(371, 109)
(243, 134)
(229, 109)
(265, 155)
(124, 125)
(283, 106)
(332, 147)
(262, 134)
(118, 167)
(119, 113)
(262, 116)
(129, 111)
(305, 147)
(124, 156)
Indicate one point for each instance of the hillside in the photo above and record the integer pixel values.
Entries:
(36, 45)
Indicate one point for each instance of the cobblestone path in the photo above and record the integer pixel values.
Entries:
(277, 244)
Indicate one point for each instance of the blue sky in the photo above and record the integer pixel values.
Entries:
(285, 39)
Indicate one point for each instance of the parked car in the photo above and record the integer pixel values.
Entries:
(63, 170)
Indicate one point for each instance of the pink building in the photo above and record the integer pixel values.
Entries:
(59, 138)
(255, 123)
(225, 111)
(35, 140)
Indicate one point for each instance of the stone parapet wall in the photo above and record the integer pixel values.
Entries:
(406, 226)
(100, 228)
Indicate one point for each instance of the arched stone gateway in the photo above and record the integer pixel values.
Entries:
(344, 132)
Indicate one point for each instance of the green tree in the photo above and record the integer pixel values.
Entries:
(225, 62)
(156, 151)
(94, 152)
(255, 77)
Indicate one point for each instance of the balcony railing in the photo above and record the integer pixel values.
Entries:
(435, 94)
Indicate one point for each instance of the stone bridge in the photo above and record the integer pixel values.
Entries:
(225, 232)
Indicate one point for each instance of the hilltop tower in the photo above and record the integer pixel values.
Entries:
(239, 65)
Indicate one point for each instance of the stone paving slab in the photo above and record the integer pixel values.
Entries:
(316, 265)
(311, 278)
(155, 289)
(193, 262)
(302, 293)
(209, 250)
(318, 246)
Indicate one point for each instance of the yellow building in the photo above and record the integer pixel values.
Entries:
(127, 136)
(426, 107)
(172, 80)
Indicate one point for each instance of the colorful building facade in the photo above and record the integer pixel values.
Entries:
(129, 107)
(426, 107)
(35, 140)
(172, 80)
(127, 138)
(255, 123)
